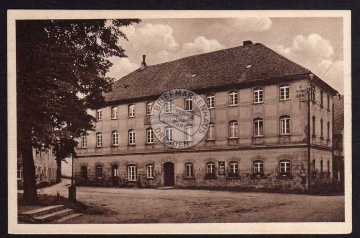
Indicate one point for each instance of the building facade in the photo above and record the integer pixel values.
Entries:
(257, 137)
(338, 161)
(45, 167)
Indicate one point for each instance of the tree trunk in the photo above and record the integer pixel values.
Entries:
(58, 171)
(30, 194)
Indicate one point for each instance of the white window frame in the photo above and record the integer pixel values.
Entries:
(168, 106)
(131, 110)
(114, 112)
(131, 135)
(132, 172)
(188, 133)
(99, 141)
(150, 171)
(284, 92)
(233, 129)
(211, 133)
(210, 168)
(115, 137)
(149, 136)
(234, 167)
(258, 127)
(210, 101)
(188, 104)
(99, 114)
(285, 166)
(258, 95)
(149, 108)
(233, 98)
(258, 166)
(83, 141)
(189, 170)
(168, 135)
(285, 125)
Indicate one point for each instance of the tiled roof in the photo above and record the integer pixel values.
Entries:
(338, 114)
(237, 65)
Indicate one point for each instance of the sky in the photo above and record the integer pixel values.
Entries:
(315, 43)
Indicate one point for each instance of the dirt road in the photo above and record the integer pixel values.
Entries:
(183, 206)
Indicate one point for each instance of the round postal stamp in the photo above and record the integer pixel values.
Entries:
(180, 126)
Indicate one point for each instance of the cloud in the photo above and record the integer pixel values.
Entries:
(201, 45)
(248, 24)
(152, 37)
(317, 54)
(157, 42)
(121, 67)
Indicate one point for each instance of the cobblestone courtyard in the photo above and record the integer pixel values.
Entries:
(184, 206)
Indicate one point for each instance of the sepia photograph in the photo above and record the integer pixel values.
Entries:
(158, 122)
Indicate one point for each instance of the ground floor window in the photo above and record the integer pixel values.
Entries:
(233, 169)
(150, 171)
(285, 168)
(210, 170)
(83, 172)
(132, 173)
(189, 167)
(98, 171)
(258, 167)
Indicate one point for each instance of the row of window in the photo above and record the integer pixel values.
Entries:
(258, 131)
(258, 97)
(211, 170)
(233, 132)
(321, 128)
(131, 172)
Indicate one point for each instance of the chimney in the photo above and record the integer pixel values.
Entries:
(247, 42)
(143, 64)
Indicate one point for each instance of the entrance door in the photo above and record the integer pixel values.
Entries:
(114, 175)
(169, 174)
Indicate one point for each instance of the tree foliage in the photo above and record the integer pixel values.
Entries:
(61, 72)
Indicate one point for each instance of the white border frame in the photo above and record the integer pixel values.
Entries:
(176, 228)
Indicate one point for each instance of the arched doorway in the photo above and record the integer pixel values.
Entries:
(169, 174)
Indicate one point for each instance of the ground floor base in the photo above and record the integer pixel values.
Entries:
(282, 169)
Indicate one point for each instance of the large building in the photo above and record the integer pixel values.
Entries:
(259, 135)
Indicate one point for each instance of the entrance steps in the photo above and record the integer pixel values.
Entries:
(165, 187)
(50, 214)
